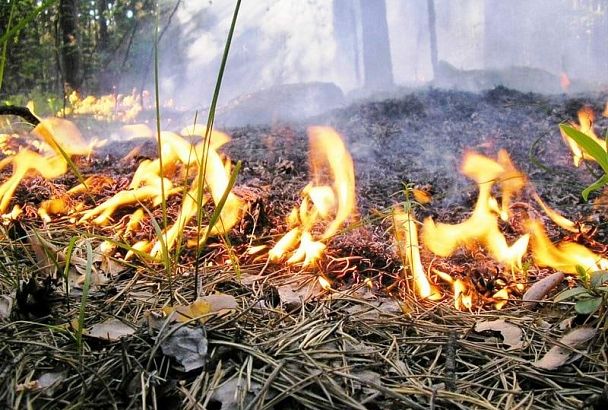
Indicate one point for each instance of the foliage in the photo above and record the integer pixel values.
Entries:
(593, 149)
(590, 295)
(114, 38)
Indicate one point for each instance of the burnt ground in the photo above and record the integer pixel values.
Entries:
(356, 348)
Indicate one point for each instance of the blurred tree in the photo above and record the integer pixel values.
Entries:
(430, 5)
(70, 49)
(377, 63)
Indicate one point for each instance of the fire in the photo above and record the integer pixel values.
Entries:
(59, 140)
(406, 234)
(566, 256)
(329, 198)
(564, 81)
(586, 116)
(482, 226)
(112, 107)
(153, 182)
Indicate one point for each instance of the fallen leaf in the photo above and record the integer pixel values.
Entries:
(110, 330)
(6, 306)
(294, 295)
(187, 345)
(202, 308)
(49, 382)
(557, 356)
(512, 335)
(541, 288)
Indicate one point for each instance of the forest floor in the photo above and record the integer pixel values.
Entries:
(281, 340)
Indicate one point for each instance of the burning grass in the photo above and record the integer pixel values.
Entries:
(346, 331)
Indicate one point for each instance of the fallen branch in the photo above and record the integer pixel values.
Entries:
(22, 112)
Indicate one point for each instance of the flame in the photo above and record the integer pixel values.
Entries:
(112, 107)
(406, 234)
(463, 297)
(151, 181)
(586, 116)
(482, 226)
(566, 256)
(329, 197)
(559, 219)
(60, 140)
(564, 81)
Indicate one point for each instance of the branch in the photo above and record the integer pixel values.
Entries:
(22, 112)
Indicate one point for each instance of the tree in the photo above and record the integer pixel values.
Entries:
(377, 64)
(430, 5)
(345, 32)
(70, 54)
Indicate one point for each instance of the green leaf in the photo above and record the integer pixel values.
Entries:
(599, 278)
(588, 144)
(588, 306)
(570, 293)
(599, 184)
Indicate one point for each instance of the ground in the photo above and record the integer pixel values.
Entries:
(289, 343)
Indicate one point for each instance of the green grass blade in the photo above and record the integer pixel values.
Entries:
(5, 42)
(207, 141)
(66, 268)
(85, 295)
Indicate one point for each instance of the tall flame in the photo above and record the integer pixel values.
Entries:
(406, 234)
(329, 198)
(482, 226)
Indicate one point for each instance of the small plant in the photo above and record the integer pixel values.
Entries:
(594, 150)
(590, 295)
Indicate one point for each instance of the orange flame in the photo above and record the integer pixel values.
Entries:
(482, 226)
(406, 234)
(566, 256)
(329, 197)
(60, 140)
(586, 116)
(149, 183)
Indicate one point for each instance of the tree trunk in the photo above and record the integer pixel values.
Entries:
(103, 40)
(377, 64)
(345, 32)
(70, 56)
(432, 34)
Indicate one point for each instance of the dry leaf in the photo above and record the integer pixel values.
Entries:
(201, 308)
(6, 306)
(512, 335)
(541, 288)
(111, 330)
(188, 345)
(558, 356)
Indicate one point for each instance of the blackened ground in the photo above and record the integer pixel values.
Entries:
(420, 138)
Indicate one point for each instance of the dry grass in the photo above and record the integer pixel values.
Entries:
(341, 349)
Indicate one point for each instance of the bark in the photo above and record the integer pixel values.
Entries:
(377, 64)
(432, 34)
(70, 55)
(103, 41)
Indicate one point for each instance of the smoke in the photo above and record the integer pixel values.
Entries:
(520, 44)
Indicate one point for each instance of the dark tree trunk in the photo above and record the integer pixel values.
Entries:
(102, 9)
(70, 56)
(432, 34)
(377, 64)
